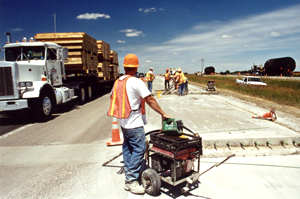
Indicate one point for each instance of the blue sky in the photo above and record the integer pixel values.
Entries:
(228, 34)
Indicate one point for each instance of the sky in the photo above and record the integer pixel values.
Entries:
(190, 34)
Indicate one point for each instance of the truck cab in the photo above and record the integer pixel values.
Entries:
(31, 77)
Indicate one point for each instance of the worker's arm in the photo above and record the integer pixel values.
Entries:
(155, 106)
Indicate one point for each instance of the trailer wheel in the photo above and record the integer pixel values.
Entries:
(151, 182)
(90, 92)
(43, 106)
(82, 97)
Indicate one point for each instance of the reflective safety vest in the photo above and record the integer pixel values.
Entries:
(149, 76)
(270, 115)
(119, 102)
(167, 76)
(176, 77)
(182, 78)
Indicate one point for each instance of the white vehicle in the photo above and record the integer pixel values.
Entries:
(33, 76)
(251, 80)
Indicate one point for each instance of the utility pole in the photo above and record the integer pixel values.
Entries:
(54, 16)
(202, 65)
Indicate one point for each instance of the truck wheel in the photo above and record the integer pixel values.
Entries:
(82, 95)
(43, 107)
(151, 182)
(90, 92)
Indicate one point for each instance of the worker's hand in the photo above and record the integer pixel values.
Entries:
(165, 116)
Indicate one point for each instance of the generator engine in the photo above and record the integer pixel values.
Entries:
(176, 169)
(174, 152)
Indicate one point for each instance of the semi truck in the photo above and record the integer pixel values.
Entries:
(38, 75)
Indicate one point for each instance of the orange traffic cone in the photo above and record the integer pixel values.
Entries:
(116, 140)
(267, 116)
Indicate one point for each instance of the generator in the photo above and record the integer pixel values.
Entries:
(173, 157)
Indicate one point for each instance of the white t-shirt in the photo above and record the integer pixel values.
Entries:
(136, 90)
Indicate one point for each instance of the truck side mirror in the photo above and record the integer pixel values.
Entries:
(63, 54)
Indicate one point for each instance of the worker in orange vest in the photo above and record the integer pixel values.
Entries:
(149, 78)
(176, 78)
(186, 85)
(180, 79)
(127, 103)
(167, 76)
(268, 116)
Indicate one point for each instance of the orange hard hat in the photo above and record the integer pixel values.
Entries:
(131, 61)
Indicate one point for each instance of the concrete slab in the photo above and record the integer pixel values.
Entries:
(225, 121)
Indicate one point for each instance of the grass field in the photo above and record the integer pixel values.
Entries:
(285, 92)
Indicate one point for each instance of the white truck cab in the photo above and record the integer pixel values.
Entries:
(31, 76)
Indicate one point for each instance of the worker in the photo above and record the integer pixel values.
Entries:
(167, 76)
(176, 78)
(127, 103)
(186, 86)
(149, 78)
(268, 116)
(180, 81)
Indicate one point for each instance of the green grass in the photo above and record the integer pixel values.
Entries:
(285, 92)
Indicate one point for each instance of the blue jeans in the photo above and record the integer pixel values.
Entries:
(181, 89)
(134, 148)
(150, 86)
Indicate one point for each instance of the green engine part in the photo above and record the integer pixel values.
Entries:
(169, 125)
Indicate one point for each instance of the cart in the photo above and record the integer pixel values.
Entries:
(171, 158)
(211, 85)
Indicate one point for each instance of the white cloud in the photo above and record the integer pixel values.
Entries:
(132, 32)
(224, 36)
(274, 34)
(17, 29)
(121, 41)
(93, 16)
(150, 10)
(232, 45)
(148, 61)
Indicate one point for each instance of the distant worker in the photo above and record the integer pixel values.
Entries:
(186, 86)
(180, 81)
(149, 78)
(176, 78)
(127, 103)
(167, 76)
(267, 116)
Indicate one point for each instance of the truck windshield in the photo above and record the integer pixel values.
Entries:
(25, 53)
(253, 79)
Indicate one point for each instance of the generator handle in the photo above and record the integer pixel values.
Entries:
(154, 131)
(195, 134)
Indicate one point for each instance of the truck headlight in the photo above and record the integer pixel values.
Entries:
(25, 84)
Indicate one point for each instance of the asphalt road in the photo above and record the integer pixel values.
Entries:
(62, 158)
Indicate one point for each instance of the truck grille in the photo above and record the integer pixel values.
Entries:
(6, 81)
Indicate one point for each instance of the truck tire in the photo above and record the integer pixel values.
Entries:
(90, 92)
(151, 181)
(82, 95)
(43, 106)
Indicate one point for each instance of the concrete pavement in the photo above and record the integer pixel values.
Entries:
(63, 158)
(225, 123)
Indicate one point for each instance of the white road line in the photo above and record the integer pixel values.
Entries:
(15, 131)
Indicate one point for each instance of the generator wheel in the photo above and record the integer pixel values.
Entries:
(151, 182)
